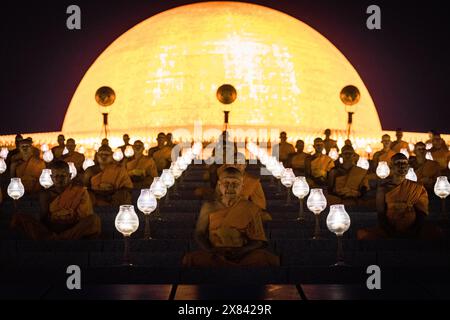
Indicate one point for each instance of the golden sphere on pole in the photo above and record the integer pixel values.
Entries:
(105, 96)
(350, 95)
(226, 94)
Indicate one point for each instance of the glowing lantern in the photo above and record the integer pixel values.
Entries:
(126, 222)
(278, 170)
(363, 163)
(118, 154)
(316, 203)
(158, 188)
(287, 179)
(333, 154)
(411, 175)
(176, 171)
(369, 151)
(2, 165)
(65, 151)
(405, 152)
(88, 163)
(300, 188)
(4, 153)
(46, 178)
(16, 190)
(338, 222)
(341, 160)
(81, 150)
(44, 147)
(129, 152)
(147, 203)
(167, 178)
(72, 169)
(442, 187)
(429, 146)
(48, 156)
(383, 170)
(429, 156)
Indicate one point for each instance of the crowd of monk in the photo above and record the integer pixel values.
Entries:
(229, 229)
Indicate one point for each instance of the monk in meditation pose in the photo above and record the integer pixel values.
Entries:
(73, 156)
(141, 169)
(440, 152)
(126, 142)
(328, 142)
(66, 211)
(399, 144)
(108, 182)
(283, 149)
(27, 167)
(426, 170)
(402, 207)
(229, 231)
(59, 149)
(347, 183)
(161, 153)
(318, 165)
(384, 154)
(297, 160)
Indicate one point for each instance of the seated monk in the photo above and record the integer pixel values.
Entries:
(402, 207)
(399, 144)
(229, 231)
(162, 154)
(347, 183)
(328, 142)
(66, 211)
(318, 165)
(384, 154)
(27, 167)
(108, 182)
(252, 189)
(141, 169)
(283, 149)
(440, 152)
(73, 156)
(59, 149)
(426, 170)
(296, 160)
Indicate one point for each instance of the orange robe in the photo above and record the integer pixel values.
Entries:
(232, 228)
(402, 222)
(29, 172)
(162, 157)
(384, 156)
(283, 150)
(142, 171)
(77, 159)
(346, 184)
(116, 176)
(298, 162)
(427, 173)
(398, 146)
(441, 156)
(71, 217)
(321, 165)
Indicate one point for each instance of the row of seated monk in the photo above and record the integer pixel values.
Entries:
(109, 181)
(230, 227)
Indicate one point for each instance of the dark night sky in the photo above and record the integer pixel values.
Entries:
(405, 65)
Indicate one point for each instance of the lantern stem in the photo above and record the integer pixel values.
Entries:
(105, 124)
(443, 207)
(147, 228)
(288, 197)
(349, 123)
(301, 212)
(15, 205)
(225, 121)
(126, 252)
(317, 227)
(340, 251)
(157, 213)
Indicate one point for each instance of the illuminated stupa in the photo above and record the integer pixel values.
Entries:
(166, 70)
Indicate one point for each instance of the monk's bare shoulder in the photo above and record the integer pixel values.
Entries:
(210, 206)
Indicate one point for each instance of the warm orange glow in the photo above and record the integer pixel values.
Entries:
(166, 70)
